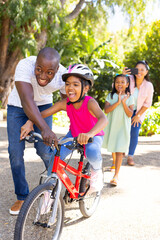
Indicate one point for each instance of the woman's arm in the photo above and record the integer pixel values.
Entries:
(126, 71)
(146, 104)
(136, 119)
(141, 111)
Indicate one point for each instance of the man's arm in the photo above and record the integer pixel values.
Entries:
(26, 95)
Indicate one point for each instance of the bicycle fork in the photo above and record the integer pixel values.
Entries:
(55, 195)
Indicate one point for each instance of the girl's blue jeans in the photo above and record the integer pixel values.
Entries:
(92, 150)
(134, 137)
(16, 118)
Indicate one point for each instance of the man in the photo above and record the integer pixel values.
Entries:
(36, 78)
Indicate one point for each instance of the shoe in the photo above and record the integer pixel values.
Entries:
(113, 182)
(14, 210)
(130, 161)
(46, 203)
(96, 183)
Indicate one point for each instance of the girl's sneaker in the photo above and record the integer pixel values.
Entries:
(96, 183)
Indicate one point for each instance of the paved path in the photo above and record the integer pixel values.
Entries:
(130, 211)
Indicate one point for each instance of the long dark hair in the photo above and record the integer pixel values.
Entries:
(147, 68)
(114, 89)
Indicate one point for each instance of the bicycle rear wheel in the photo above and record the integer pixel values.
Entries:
(89, 203)
(32, 221)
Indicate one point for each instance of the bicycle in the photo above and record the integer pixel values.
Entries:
(42, 213)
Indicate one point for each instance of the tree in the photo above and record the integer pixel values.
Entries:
(152, 55)
(75, 28)
(24, 29)
(148, 50)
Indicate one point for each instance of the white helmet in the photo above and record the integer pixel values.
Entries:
(79, 70)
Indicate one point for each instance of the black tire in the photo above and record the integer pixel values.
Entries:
(28, 227)
(89, 203)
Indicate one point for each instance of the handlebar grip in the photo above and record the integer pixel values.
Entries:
(35, 134)
(90, 140)
(31, 137)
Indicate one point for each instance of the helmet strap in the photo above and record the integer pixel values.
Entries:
(81, 97)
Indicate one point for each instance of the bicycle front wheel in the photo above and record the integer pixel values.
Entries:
(34, 220)
(89, 203)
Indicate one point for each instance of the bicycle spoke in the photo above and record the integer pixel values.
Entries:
(33, 222)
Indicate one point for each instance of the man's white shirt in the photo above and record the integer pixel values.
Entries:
(42, 95)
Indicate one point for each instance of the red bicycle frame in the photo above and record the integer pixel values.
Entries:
(59, 166)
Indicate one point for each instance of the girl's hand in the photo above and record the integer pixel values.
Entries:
(126, 71)
(125, 98)
(135, 121)
(26, 128)
(83, 138)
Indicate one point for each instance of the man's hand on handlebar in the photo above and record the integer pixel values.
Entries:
(25, 129)
(49, 137)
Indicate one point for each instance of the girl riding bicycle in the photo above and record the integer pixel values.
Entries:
(87, 120)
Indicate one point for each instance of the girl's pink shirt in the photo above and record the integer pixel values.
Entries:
(145, 94)
(81, 120)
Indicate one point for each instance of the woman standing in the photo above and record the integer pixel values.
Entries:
(142, 90)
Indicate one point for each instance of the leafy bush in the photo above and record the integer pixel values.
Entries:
(151, 124)
(61, 119)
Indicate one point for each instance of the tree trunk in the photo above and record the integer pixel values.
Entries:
(41, 39)
(6, 91)
(62, 2)
(76, 11)
(7, 76)
(4, 43)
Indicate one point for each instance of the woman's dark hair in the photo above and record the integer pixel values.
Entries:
(114, 89)
(147, 68)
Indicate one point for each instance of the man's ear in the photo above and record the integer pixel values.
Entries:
(57, 68)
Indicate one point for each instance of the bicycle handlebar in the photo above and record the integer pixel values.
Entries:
(62, 141)
(34, 134)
